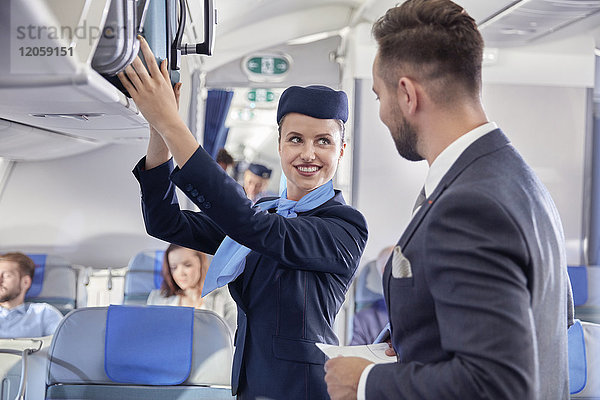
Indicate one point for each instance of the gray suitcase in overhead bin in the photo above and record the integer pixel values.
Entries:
(118, 45)
(156, 20)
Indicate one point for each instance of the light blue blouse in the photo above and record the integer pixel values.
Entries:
(29, 320)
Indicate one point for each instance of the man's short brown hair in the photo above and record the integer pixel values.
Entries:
(433, 41)
(26, 264)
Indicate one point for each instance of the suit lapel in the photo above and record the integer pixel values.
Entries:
(481, 147)
(486, 144)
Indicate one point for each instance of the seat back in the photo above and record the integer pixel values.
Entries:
(585, 283)
(584, 360)
(369, 287)
(13, 352)
(143, 276)
(54, 282)
(78, 352)
(593, 275)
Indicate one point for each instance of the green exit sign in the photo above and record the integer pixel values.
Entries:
(267, 65)
(261, 96)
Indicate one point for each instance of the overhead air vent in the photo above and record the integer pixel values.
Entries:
(527, 20)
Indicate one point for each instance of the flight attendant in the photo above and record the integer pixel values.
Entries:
(289, 261)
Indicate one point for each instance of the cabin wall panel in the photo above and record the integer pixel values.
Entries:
(568, 62)
(547, 125)
(385, 185)
(85, 207)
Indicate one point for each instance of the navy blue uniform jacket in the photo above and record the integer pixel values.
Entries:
(485, 313)
(294, 282)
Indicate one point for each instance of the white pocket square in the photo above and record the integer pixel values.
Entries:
(400, 265)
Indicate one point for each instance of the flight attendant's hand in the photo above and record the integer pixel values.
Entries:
(158, 152)
(342, 375)
(177, 92)
(151, 89)
(158, 101)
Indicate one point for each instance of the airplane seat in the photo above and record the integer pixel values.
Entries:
(584, 360)
(109, 353)
(585, 283)
(23, 364)
(54, 282)
(369, 287)
(143, 276)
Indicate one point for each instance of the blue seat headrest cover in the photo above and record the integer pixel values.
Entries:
(579, 284)
(158, 261)
(148, 345)
(577, 359)
(38, 277)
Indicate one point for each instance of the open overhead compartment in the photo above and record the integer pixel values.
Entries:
(59, 78)
(48, 87)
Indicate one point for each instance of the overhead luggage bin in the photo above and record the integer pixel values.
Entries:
(60, 91)
(58, 73)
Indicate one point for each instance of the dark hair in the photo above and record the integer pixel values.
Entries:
(26, 264)
(169, 287)
(339, 121)
(435, 41)
(224, 157)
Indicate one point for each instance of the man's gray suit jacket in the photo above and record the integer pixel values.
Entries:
(477, 290)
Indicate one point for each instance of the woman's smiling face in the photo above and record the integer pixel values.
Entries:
(310, 149)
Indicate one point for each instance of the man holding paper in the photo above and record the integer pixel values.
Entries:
(477, 287)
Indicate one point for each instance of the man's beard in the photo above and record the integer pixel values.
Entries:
(405, 139)
(11, 295)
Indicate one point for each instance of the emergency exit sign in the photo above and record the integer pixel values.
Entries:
(261, 96)
(266, 65)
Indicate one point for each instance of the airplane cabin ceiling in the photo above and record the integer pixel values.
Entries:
(253, 25)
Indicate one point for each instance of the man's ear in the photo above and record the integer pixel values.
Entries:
(407, 94)
(26, 282)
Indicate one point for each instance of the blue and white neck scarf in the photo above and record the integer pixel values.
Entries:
(230, 259)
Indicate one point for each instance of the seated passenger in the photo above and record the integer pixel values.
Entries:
(369, 321)
(17, 318)
(183, 274)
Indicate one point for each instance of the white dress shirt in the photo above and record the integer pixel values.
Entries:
(437, 170)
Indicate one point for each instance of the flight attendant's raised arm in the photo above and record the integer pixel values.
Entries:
(151, 90)
(158, 153)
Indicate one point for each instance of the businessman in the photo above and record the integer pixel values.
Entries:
(476, 288)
